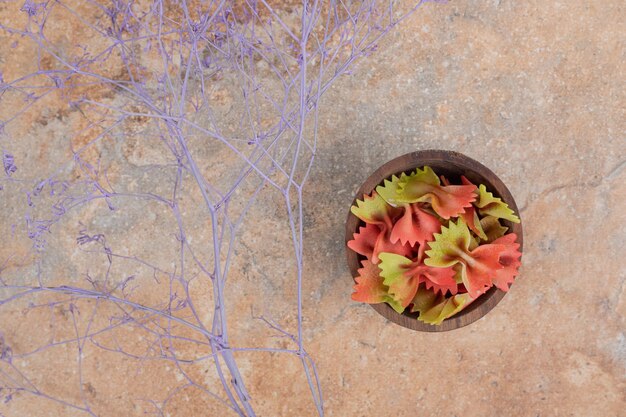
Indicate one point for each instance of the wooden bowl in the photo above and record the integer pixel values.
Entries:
(452, 165)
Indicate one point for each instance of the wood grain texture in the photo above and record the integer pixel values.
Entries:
(452, 165)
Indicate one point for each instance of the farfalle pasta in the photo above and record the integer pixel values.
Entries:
(432, 247)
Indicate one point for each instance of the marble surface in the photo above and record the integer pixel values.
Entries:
(535, 91)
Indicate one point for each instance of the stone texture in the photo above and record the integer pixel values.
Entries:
(533, 90)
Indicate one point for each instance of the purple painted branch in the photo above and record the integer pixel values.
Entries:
(140, 72)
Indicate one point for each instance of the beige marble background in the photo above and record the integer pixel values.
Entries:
(535, 91)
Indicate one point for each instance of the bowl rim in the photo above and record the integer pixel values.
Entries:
(439, 160)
